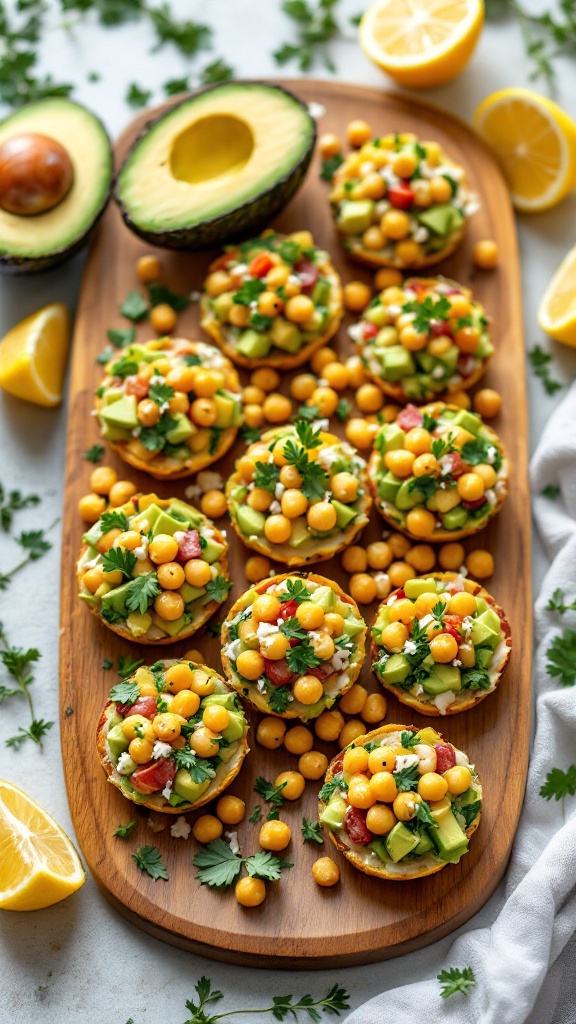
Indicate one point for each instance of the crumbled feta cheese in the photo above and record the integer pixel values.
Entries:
(322, 382)
(167, 790)
(179, 535)
(208, 480)
(437, 374)
(233, 649)
(394, 310)
(321, 425)
(443, 700)
(340, 659)
(279, 491)
(164, 407)
(490, 496)
(261, 685)
(275, 508)
(316, 110)
(356, 332)
(471, 207)
(405, 761)
(232, 838)
(461, 757)
(161, 750)
(194, 296)
(421, 234)
(180, 829)
(142, 550)
(343, 679)
(156, 379)
(426, 620)
(125, 765)
(366, 168)
(392, 599)
(491, 454)
(409, 647)
(193, 491)
(467, 623)
(456, 662)
(266, 629)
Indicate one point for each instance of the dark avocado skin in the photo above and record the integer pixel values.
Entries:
(248, 218)
(37, 264)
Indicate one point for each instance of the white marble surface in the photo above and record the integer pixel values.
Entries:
(80, 961)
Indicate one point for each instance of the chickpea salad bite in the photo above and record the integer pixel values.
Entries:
(401, 803)
(293, 644)
(153, 570)
(299, 494)
(423, 338)
(172, 737)
(440, 644)
(399, 202)
(438, 473)
(272, 301)
(169, 407)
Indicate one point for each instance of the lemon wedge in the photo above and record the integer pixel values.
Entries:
(557, 312)
(40, 866)
(534, 141)
(421, 43)
(33, 356)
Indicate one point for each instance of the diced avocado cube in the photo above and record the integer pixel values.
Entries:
(138, 623)
(333, 814)
(235, 728)
(222, 305)
(485, 347)
(353, 626)
(471, 796)
(455, 519)
(88, 598)
(388, 487)
(300, 533)
(377, 315)
(212, 551)
(378, 846)
(397, 362)
(425, 844)
(190, 593)
(254, 345)
(448, 838)
(321, 292)
(468, 420)
(325, 597)
(449, 359)
(165, 523)
(441, 218)
(117, 742)
(110, 433)
(228, 407)
(92, 536)
(149, 516)
(355, 216)
(172, 628)
(122, 413)
(481, 605)
(414, 588)
(103, 589)
(400, 841)
(491, 619)
(443, 678)
(112, 395)
(239, 494)
(185, 786)
(482, 634)
(344, 514)
(187, 515)
(426, 361)
(225, 700)
(484, 656)
(407, 498)
(250, 522)
(396, 669)
(393, 435)
(115, 599)
(182, 430)
(286, 336)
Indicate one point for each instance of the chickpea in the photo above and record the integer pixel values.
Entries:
(424, 603)
(357, 375)
(102, 479)
(405, 805)
(121, 492)
(462, 604)
(185, 703)
(407, 252)
(395, 224)
(140, 750)
(179, 677)
(369, 398)
(400, 462)
(266, 608)
(231, 809)
(299, 308)
(323, 646)
(373, 186)
(208, 382)
(457, 779)
(403, 164)
(321, 516)
(470, 486)
(239, 316)
(260, 499)
(266, 378)
(418, 441)
(425, 465)
(421, 557)
(387, 277)
(170, 575)
(380, 820)
(344, 487)
(308, 690)
(276, 278)
(355, 760)
(163, 548)
(207, 828)
(250, 664)
(253, 415)
(439, 347)
(375, 707)
(451, 556)
(480, 564)
(194, 655)
(137, 727)
(299, 740)
(275, 646)
(444, 648)
(399, 573)
(274, 835)
(351, 731)
(383, 786)
(250, 892)
(257, 568)
(485, 254)
(357, 295)
(204, 742)
(213, 504)
(362, 588)
(169, 605)
(487, 473)
(360, 433)
(270, 304)
(461, 399)
(420, 522)
(216, 717)
(329, 145)
(313, 764)
(394, 636)
(270, 732)
(295, 784)
(303, 386)
(197, 572)
(202, 683)
(432, 786)
(278, 529)
(359, 793)
(148, 268)
(337, 375)
(166, 726)
(163, 318)
(355, 559)
(487, 403)
(204, 412)
(322, 358)
(91, 507)
(358, 133)
(326, 399)
(467, 655)
(441, 190)
(277, 408)
(403, 610)
(354, 700)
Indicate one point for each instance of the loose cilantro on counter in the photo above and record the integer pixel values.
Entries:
(149, 860)
(283, 1007)
(559, 784)
(312, 831)
(456, 980)
(561, 658)
(17, 663)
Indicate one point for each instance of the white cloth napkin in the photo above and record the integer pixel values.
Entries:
(523, 960)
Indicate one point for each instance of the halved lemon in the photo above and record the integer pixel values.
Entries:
(421, 43)
(39, 865)
(33, 356)
(534, 141)
(557, 312)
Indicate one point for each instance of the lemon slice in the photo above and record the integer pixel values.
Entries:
(421, 43)
(39, 864)
(33, 356)
(557, 312)
(534, 142)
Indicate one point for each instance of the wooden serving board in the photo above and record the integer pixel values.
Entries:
(362, 919)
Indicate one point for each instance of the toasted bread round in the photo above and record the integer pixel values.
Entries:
(202, 445)
(226, 335)
(199, 610)
(376, 260)
(494, 496)
(314, 547)
(464, 699)
(224, 772)
(369, 861)
(262, 695)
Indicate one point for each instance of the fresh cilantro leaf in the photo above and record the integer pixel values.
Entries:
(137, 97)
(160, 393)
(104, 357)
(134, 307)
(308, 437)
(124, 831)
(559, 783)
(94, 454)
(343, 409)
(218, 589)
(191, 359)
(126, 666)
(561, 655)
(159, 294)
(5, 692)
(271, 793)
(122, 559)
(111, 615)
(125, 692)
(266, 476)
(470, 811)
(455, 980)
(217, 865)
(330, 166)
(296, 590)
(175, 85)
(154, 438)
(292, 629)
(336, 782)
(200, 769)
(406, 778)
(260, 322)
(302, 657)
(476, 679)
(428, 422)
(125, 367)
(424, 815)
(409, 740)
(256, 814)
(556, 603)
(149, 860)
(266, 865)
(441, 447)
(426, 311)
(481, 450)
(540, 364)
(34, 542)
(36, 731)
(187, 36)
(107, 664)
(217, 71)
(113, 520)
(550, 491)
(14, 503)
(249, 291)
(121, 337)
(249, 434)
(426, 485)
(141, 591)
(309, 413)
(312, 831)
(214, 629)
(279, 699)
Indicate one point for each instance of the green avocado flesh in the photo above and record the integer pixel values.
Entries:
(32, 243)
(216, 166)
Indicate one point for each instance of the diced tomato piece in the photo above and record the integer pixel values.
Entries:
(410, 417)
(369, 331)
(288, 610)
(439, 327)
(453, 620)
(145, 706)
(308, 274)
(189, 547)
(260, 265)
(453, 464)
(355, 826)
(445, 758)
(474, 504)
(452, 631)
(321, 672)
(401, 594)
(401, 195)
(465, 365)
(153, 777)
(278, 672)
(136, 386)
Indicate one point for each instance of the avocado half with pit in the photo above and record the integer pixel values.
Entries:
(55, 182)
(216, 166)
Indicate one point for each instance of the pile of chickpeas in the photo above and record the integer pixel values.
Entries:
(107, 491)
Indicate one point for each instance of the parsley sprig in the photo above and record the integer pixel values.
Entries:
(149, 861)
(561, 658)
(547, 34)
(302, 657)
(283, 1007)
(312, 831)
(556, 603)
(559, 783)
(94, 454)
(540, 362)
(17, 662)
(427, 310)
(12, 502)
(456, 980)
(218, 866)
(271, 793)
(316, 28)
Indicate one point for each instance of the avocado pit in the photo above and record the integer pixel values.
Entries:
(36, 173)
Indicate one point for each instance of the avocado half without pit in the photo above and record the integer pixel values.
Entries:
(216, 166)
(55, 181)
